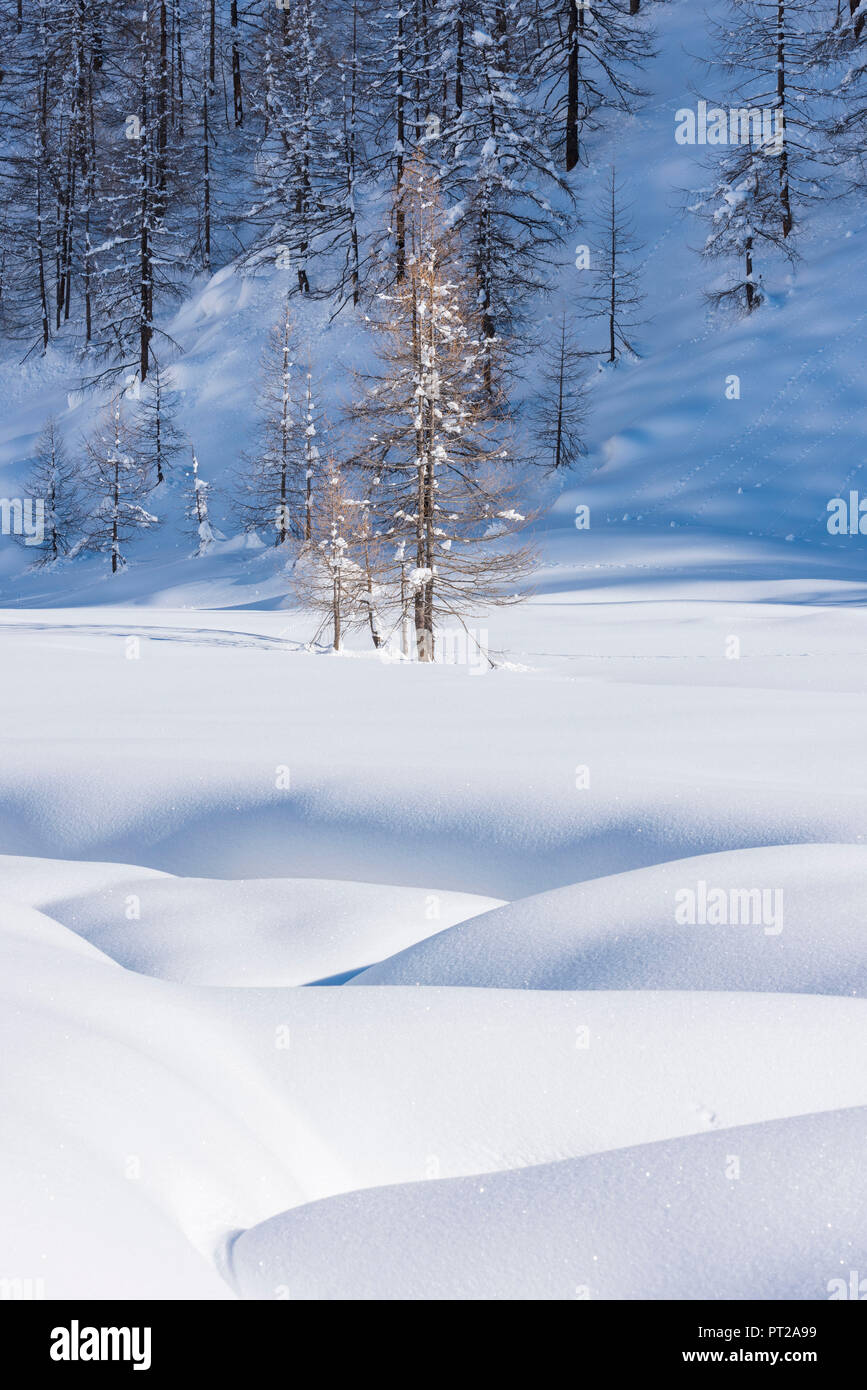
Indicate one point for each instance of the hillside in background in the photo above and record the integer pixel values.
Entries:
(680, 480)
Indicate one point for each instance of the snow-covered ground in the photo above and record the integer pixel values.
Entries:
(337, 976)
(228, 818)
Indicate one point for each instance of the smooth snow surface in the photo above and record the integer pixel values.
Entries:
(661, 1220)
(622, 932)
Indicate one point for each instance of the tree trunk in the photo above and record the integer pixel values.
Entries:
(572, 86)
(212, 47)
(405, 625)
(52, 500)
(336, 602)
(145, 178)
(400, 215)
(179, 70)
(459, 59)
(285, 422)
(308, 471)
(486, 254)
(558, 444)
(612, 304)
(40, 260)
(206, 165)
(429, 402)
(237, 96)
(751, 289)
(781, 105)
(64, 259)
(350, 150)
(115, 538)
(88, 166)
(158, 387)
(162, 112)
(372, 614)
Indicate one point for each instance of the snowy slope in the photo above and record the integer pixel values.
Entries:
(231, 931)
(747, 480)
(219, 1109)
(624, 932)
(222, 752)
(671, 1220)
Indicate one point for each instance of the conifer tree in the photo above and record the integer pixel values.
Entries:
(161, 441)
(561, 408)
(742, 214)
(615, 277)
(278, 479)
(770, 49)
(441, 477)
(587, 58)
(306, 163)
(53, 481)
(335, 573)
(198, 513)
(115, 482)
(495, 164)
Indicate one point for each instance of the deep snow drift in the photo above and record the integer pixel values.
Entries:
(155, 1113)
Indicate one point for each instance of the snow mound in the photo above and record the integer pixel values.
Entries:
(254, 932)
(805, 934)
(767, 1211)
(149, 1122)
(21, 921)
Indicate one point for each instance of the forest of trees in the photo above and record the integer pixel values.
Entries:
(805, 62)
(418, 163)
(142, 139)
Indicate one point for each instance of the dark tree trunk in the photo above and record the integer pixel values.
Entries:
(400, 215)
(115, 539)
(162, 111)
(89, 168)
(40, 260)
(158, 426)
(459, 61)
(146, 191)
(561, 384)
(179, 71)
(206, 177)
(572, 86)
(612, 269)
(751, 289)
(41, 162)
(781, 105)
(237, 95)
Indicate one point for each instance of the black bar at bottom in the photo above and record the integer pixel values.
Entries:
(156, 1339)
